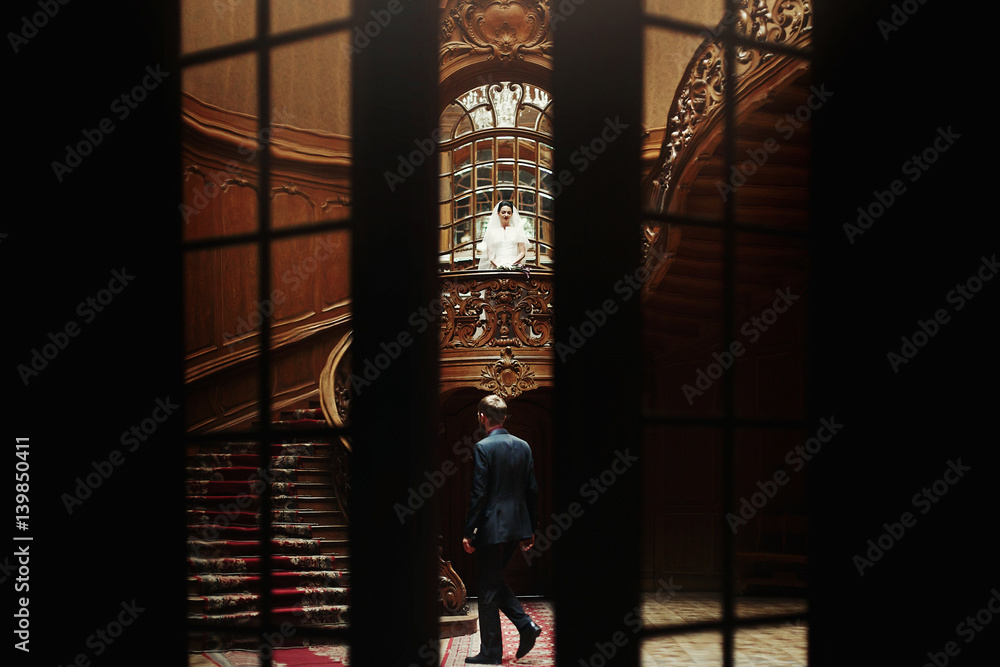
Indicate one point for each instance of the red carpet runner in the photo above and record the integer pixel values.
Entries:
(454, 651)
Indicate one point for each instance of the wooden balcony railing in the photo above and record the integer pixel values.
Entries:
(490, 309)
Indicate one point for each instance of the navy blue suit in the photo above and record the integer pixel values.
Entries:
(503, 510)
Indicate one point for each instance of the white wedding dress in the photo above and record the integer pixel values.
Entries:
(502, 242)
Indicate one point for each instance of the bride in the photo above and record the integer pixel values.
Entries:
(504, 243)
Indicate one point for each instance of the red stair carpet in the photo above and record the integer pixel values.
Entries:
(309, 560)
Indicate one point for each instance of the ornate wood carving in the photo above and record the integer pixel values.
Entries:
(505, 30)
(507, 376)
(334, 396)
(788, 22)
(335, 384)
(451, 588)
(697, 103)
(494, 309)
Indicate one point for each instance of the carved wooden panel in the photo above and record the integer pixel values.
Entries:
(237, 206)
(701, 93)
(237, 303)
(293, 279)
(200, 277)
(333, 279)
(292, 205)
(309, 294)
(496, 309)
(501, 29)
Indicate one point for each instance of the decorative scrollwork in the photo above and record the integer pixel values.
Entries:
(503, 29)
(335, 399)
(496, 311)
(701, 92)
(507, 377)
(451, 588)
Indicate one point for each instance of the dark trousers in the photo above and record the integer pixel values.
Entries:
(496, 596)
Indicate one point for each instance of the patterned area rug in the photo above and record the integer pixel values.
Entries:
(312, 656)
(454, 651)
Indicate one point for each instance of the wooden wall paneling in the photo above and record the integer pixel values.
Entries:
(310, 299)
(234, 395)
(691, 474)
(686, 544)
(200, 194)
(201, 275)
(198, 409)
(292, 288)
(235, 295)
(292, 205)
(295, 374)
(237, 204)
(334, 277)
(681, 484)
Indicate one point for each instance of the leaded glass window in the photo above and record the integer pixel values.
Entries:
(496, 144)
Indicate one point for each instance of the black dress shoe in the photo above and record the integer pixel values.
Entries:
(528, 638)
(482, 659)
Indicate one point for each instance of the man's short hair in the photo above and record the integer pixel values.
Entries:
(494, 408)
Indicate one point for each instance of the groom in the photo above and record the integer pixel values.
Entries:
(503, 512)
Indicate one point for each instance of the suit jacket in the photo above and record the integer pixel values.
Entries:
(503, 505)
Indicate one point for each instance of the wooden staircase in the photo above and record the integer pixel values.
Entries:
(310, 559)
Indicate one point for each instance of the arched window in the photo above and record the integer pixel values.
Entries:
(496, 144)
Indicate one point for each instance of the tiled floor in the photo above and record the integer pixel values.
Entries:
(783, 644)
